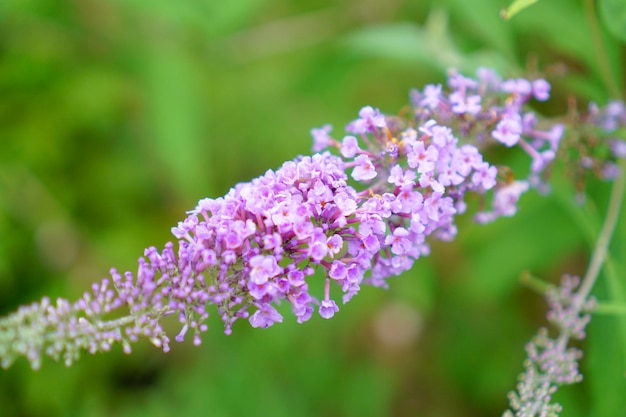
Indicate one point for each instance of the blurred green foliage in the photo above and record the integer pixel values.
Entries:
(116, 116)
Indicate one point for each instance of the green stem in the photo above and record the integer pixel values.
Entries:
(610, 309)
(601, 249)
(534, 283)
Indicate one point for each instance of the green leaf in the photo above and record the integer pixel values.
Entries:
(176, 113)
(211, 17)
(485, 25)
(516, 7)
(491, 272)
(401, 42)
(428, 45)
(613, 15)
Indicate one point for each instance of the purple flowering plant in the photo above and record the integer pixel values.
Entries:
(365, 206)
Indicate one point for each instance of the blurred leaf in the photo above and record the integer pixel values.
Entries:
(175, 116)
(585, 216)
(9, 236)
(584, 86)
(516, 7)
(429, 46)
(401, 42)
(417, 286)
(613, 14)
(495, 264)
(561, 28)
(561, 21)
(211, 17)
(485, 24)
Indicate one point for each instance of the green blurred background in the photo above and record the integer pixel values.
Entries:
(116, 116)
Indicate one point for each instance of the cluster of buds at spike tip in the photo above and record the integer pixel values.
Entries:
(551, 362)
(361, 209)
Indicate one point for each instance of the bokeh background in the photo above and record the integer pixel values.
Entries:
(116, 116)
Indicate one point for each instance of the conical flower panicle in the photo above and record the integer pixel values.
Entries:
(361, 209)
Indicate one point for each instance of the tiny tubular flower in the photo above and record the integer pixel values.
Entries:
(364, 169)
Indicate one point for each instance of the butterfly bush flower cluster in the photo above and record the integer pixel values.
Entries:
(260, 242)
(361, 209)
(551, 362)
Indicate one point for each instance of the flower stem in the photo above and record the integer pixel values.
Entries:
(610, 309)
(604, 239)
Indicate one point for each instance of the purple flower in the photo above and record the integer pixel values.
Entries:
(554, 136)
(410, 200)
(263, 268)
(428, 180)
(184, 227)
(423, 158)
(265, 317)
(449, 174)
(489, 78)
(400, 177)
(321, 139)
(460, 82)
(303, 312)
(328, 308)
(399, 242)
(432, 96)
(335, 244)
(504, 201)
(508, 130)
(349, 147)
(529, 121)
(468, 157)
(318, 247)
(465, 104)
(541, 89)
(431, 206)
(518, 86)
(371, 243)
(233, 240)
(612, 116)
(364, 169)
(369, 120)
(485, 176)
(289, 172)
(618, 148)
(541, 160)
(296, 278)
(442, 136)
(258, 291)
(346, 204)
(272, 241)
(610, 171)
(337, 270)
